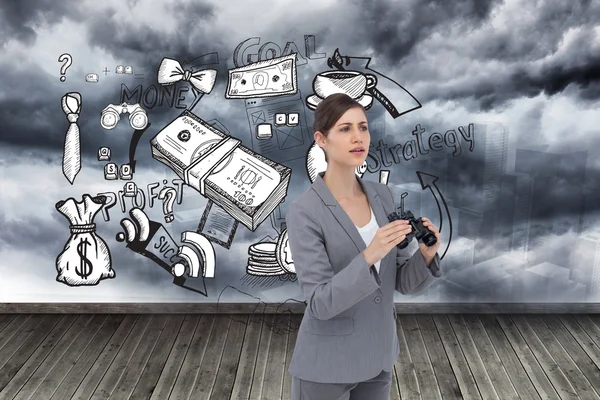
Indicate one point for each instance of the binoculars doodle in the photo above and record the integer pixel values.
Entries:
(112, 114)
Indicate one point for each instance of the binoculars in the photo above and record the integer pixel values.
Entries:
(419, 231)
(112, 114)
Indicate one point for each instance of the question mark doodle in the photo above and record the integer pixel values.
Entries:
(168, 194)
(67, 60)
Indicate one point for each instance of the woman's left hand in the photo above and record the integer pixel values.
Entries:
(429, 252)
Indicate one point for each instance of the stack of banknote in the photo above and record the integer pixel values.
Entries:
(245, 184)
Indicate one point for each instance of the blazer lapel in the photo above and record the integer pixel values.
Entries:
(342, 217)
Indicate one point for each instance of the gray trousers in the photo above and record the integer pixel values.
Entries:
(377, 388)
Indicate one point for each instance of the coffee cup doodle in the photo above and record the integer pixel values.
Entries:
(352, 83)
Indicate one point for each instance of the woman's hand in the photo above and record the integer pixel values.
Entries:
(386, 237)
(429, 252)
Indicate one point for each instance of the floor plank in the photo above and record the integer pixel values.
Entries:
(573, 361)
(193, 360)
(464, 378)
(229, 356)
(168, 375)
(439, 360)
(212, 357)
(509, 358)
(50, 379)
(16, 352)
(428, 386)
(545, 359)
(473, 358)
(90, 382)
(273, 379)
(406, 375)
(295, 321)
(246, 365)
(6, 319)
(39, 355)
(492, 362)
(261, 358)
(90, 356)
(157, 359)
(140, 356)
(588, 325)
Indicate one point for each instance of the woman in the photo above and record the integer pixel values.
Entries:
(348, 266)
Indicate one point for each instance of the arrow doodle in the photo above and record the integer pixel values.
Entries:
(428, 181)
(410, 103)
(135, 139)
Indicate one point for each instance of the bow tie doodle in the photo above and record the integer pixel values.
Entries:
(71, 105)
(170, 72)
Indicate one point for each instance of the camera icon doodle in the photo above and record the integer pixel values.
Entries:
(138, 119)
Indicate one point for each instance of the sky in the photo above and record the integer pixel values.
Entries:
(532, 66)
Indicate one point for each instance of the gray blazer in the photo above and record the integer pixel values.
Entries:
(348, 331)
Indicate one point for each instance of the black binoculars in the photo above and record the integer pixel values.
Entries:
(422, 233)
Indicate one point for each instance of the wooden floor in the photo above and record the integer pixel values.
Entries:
(230, 356)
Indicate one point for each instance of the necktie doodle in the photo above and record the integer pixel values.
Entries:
(71, 105)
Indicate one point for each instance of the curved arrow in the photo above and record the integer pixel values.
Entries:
(428, 181)
(135, 139)
(341, 62)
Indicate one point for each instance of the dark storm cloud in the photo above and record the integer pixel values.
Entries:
(514, 61)
(393, 29)
(536, 36)
(19, 20)
(146, 45)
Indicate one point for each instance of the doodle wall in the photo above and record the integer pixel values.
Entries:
(150, 149)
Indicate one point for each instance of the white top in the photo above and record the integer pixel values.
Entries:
(368, 232)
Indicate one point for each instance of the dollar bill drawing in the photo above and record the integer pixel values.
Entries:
(245, 184)
(274, 77)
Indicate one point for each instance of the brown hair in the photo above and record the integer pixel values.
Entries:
(330, 110)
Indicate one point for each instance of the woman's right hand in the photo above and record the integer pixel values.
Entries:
(386, 238)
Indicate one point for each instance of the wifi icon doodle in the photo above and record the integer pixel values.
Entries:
(205, 253)
(150, 239)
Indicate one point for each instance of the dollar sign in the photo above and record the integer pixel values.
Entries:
(85, 265)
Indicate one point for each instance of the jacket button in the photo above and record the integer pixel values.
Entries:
(377, 299)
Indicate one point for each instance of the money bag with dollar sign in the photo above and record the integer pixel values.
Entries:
(85, 260)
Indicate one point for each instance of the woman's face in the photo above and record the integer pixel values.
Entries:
(348, 140)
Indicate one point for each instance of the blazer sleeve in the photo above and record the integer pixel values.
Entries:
(413, 275)
(327, 294)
